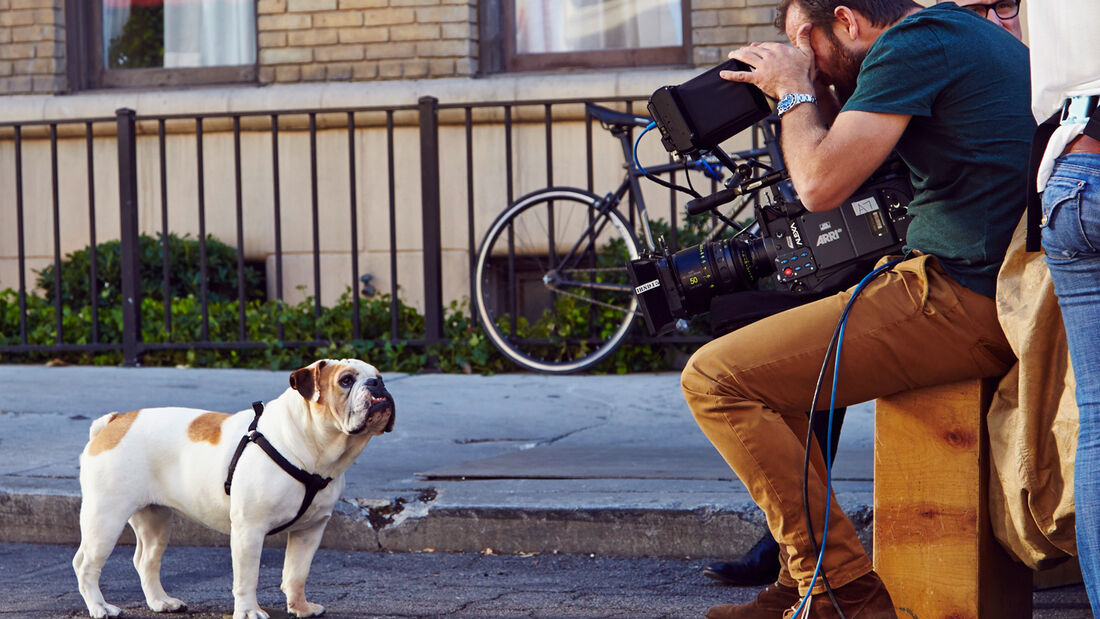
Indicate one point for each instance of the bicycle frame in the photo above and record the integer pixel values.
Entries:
(581, 275)
(630, 184)
(633, 172)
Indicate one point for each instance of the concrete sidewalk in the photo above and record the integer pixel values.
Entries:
(610, 465)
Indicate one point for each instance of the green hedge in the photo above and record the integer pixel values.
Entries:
(468, 348)
(183, 268)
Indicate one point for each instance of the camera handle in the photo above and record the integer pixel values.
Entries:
(718, 198)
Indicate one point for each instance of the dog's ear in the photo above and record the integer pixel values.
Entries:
(305, 381)
(301, 380)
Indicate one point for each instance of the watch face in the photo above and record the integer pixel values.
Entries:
(791, 100)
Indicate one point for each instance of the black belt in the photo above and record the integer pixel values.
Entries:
(314, 483)
(1038, 148)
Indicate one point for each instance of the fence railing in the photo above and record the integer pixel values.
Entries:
(148, 147)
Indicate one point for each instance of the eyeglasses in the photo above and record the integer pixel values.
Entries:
(1005, 9)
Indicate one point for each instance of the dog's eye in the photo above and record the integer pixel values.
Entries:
(347, 380)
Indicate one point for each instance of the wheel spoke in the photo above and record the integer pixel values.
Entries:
(551, 284)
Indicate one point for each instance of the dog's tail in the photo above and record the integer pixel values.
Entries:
(99, 424)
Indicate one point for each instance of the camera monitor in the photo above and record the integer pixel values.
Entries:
(704, 111)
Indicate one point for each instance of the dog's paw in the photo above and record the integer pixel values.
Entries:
(308, 609)
(167, 605)
(98, 611)
(250, 614)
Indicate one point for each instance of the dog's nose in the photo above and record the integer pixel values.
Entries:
(380, 399)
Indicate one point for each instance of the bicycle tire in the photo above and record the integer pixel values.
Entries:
(537, 327)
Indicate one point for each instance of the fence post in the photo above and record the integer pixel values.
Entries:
(128, 213)
(429, 205)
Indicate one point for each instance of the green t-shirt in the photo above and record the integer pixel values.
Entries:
(965, 83)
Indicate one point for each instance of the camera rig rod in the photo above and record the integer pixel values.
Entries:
(718, 198)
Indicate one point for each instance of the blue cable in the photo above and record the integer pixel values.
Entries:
(635, 153)
(832, 407)
(709, 170)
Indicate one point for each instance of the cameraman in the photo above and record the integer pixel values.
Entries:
(758, 565)
(948, 92)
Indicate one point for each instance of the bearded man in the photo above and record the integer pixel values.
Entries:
(947, 90)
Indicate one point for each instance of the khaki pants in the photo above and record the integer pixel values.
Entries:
(911, 327)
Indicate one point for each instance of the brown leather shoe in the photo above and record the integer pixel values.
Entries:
(769, 604)
(863, 598)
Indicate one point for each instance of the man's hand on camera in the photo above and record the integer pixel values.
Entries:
(780, 69)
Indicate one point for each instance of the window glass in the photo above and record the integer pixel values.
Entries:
(547, 26)
(146, 34)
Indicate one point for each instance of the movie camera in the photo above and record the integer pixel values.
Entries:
(808, 252)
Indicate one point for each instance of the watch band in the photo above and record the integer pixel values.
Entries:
(790, 100)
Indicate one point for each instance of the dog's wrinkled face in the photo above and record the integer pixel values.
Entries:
(349, 390)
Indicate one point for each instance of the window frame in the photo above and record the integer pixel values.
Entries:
(498, 45)
(86, 69)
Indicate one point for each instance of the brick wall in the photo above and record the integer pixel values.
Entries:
(344, 40)
(32, 46)
(720, 26)
(335, 40)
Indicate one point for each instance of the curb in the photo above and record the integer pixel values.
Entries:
(43, 518)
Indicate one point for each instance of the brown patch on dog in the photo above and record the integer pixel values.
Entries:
(308, 381)
(207, 427)
(315, 382)
(301, 380)
(331, 392)
(112, 433)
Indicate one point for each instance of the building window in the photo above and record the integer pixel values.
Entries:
(123, 43)
(559, 34)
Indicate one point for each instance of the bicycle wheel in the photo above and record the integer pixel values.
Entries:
(551, 285)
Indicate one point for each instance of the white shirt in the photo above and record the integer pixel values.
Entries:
(1065, 61)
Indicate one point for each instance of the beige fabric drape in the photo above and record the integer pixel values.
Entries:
(1033, 418)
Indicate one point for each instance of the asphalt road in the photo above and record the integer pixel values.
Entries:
(37, 581)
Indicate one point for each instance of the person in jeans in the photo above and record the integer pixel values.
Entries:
(1065, 70)
(948, 93)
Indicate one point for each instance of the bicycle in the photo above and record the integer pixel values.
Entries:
(551, 286)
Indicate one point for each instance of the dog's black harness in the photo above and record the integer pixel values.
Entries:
(314, 483)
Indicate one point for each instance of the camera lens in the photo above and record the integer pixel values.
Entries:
(719, 267)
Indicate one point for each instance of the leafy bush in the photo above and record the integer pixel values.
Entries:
(466, 348)
(183, 268)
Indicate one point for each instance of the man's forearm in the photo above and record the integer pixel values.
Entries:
(803, 130)
(827, 165)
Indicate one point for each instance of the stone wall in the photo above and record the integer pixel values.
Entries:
(32, 47)
(340, 40)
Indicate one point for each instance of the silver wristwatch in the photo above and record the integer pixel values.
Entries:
(790, 100)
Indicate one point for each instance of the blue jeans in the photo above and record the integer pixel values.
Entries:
(1071, 239)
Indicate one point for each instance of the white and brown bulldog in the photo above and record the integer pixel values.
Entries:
(141, 465)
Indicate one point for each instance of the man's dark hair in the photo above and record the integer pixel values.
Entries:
(820, 12)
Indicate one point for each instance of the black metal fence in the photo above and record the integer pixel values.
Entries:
(128, 124)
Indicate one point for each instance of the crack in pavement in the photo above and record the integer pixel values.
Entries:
(478, 441)
(552, 440)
